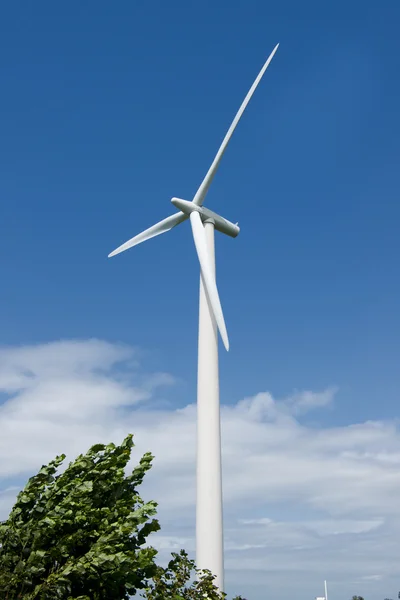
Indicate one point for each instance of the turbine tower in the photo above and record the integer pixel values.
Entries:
(209, 524)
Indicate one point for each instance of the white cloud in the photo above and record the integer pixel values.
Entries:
(299, 500)
(7, 497)
(304, 401)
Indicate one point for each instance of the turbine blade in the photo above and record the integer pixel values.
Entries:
(203, 189)
(157, 229)
(199, 236)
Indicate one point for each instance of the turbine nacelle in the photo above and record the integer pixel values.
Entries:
(220, 224)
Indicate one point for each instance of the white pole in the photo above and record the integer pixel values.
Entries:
(326, 590)
(209, 527)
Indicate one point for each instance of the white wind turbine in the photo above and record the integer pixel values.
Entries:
(209, 527)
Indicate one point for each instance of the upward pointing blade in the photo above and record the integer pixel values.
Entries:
(203, 189)
(157, 229)
(199, 236)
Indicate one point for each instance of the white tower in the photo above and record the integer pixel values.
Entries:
(209, 522)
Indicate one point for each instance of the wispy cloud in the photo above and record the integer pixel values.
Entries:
(301, 500)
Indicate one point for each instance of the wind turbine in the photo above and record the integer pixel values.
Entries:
(209, 526)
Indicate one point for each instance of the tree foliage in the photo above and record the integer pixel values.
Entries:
(82, 535)
(173, 582)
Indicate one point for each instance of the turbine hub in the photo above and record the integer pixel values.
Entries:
(221, 224)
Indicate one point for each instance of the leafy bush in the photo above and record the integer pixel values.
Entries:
(82, 535)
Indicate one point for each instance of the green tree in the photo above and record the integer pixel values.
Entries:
(173, 582)
(82, 535)
(357, 598)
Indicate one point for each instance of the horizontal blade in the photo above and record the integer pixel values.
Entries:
(199, 236)
(157, 229)
(203, 189)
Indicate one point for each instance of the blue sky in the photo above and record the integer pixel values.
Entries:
(109, 111)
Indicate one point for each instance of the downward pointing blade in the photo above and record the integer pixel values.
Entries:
(203, 189)
(199, 236)
(157, 229)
